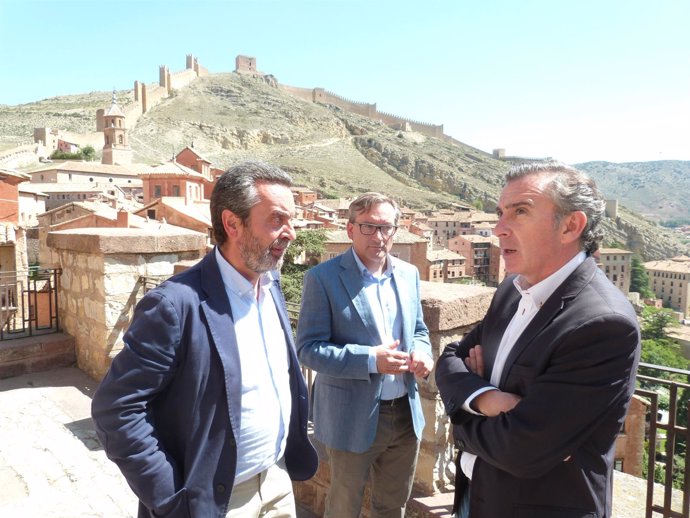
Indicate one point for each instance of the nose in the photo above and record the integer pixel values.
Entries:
(288, 231)
(500, 229)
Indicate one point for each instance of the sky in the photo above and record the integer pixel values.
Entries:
(576, 81)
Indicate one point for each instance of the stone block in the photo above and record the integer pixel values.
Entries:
(450, 306)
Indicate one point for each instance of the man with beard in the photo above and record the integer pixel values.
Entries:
(204, 409)
(361, 330)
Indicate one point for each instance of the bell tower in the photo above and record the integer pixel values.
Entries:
(116, 149)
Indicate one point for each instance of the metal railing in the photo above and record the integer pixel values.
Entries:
(29, 303)
(667, 438)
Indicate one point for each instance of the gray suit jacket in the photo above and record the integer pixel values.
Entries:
(335, 332)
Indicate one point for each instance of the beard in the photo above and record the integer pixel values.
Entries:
(261, 260)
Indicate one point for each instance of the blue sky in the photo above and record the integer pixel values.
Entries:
(578, 81)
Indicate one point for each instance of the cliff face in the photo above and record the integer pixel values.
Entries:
(231, 117)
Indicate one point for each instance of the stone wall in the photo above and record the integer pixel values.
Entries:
(100, 282)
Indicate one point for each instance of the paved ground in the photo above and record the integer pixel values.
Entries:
(51, 462)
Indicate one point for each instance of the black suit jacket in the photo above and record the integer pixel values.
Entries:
(574, 366)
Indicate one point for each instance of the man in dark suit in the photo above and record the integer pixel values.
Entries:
(205, 408)
(539, 389)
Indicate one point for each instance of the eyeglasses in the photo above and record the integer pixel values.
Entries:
(367, 229)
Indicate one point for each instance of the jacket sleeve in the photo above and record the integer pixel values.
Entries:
(455, 382)
(315, 346)
(120, 406)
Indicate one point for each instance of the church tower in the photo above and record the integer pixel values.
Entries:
(116, 149)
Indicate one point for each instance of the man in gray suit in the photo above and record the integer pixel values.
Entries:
(361, 330)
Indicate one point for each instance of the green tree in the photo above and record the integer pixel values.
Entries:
(639, 280)
(654, 323)
(89, 153)
(311, 243)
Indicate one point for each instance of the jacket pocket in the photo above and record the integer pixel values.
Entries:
(176, 506)
(533, 511)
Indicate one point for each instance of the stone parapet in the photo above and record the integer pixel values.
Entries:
(101, 282)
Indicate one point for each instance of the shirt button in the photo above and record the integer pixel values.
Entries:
(220, 488)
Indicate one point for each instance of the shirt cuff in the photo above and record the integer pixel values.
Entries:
(466, 405)
(372, 361)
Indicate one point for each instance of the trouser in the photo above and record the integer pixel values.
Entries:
(266, 495)
(391, 461)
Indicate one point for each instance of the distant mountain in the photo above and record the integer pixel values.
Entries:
(231, 117)
(657, 190)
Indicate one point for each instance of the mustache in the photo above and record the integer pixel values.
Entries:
(281, 243)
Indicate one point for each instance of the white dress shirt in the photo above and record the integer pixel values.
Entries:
(380, 292)
(264, 364)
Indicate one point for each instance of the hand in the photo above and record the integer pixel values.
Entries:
(391, 361)
(420, 364)
(494, 402)
(475, 361)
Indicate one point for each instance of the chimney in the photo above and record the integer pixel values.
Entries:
(122, 219)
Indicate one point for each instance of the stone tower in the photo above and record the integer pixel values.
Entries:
(116, 149)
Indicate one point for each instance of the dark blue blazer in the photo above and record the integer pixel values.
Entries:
(168, 411)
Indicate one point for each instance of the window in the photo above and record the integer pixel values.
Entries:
(176, 190)
(618, 464)
(157, 191)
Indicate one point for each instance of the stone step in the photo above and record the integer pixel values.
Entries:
(36, 354)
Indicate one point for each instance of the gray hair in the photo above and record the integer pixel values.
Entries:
(235, 190)
(570, 190)
(364, 202)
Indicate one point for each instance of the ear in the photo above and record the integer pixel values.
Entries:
(231, 223)
(350, 228)
(572, 226)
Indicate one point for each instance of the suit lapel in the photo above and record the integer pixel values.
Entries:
(551, 308)
(404, 299)
(216, 309)
(506, 305)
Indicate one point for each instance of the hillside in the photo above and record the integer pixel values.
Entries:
(231, 117)
(656, 190)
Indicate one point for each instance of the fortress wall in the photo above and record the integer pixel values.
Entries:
(21, 155)
(326, 97)
(181, 79)
(152, 94)
(432, 130)
(303, 93)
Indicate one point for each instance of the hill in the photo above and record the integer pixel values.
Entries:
(657, 190)
(231, 117)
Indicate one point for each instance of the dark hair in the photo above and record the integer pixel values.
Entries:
(364, 202)
(235, 190)
(570, 190)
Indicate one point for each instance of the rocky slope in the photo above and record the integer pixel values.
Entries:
(230, 117)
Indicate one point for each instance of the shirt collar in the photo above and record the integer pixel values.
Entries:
(388, 272)
(544, 288)
(234, 281)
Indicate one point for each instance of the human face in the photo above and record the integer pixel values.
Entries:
(532, 243)
(264, 237)
(372, 250)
